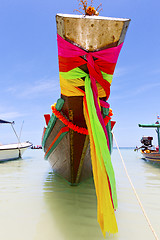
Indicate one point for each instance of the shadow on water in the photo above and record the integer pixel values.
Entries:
(10, 160)
(151, 173)
(73, 208)
(15, 160)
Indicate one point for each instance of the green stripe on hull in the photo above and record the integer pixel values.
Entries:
(55, 144)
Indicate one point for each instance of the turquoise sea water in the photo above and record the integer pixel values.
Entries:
(36, 204)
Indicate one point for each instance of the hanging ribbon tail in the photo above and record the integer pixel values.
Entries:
(101, 162)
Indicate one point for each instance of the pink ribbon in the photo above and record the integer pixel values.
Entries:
(66, 49)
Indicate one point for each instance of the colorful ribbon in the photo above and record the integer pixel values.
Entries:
(101, 65)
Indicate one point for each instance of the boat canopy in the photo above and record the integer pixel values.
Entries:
(3, 121)
(155, 125)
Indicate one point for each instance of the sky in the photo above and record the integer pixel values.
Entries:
(29, 77)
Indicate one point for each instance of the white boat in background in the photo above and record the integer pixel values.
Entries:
(14, 150)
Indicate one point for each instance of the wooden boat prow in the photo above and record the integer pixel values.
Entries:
(80, 29)
(71, 157)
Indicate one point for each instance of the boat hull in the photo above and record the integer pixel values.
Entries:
(74, 166)
(13, 151)
(152, 157)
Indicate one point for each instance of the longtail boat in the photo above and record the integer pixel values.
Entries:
(77, 139)
(149, 151)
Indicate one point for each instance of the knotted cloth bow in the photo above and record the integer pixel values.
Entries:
(101, 65)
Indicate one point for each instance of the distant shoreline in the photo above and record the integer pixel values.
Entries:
(124, 147)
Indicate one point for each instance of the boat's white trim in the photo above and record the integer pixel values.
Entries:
(93, 17)
(15, 145)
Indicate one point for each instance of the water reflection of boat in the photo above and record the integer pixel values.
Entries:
(14, 150)
(73, 208)
(149, 151)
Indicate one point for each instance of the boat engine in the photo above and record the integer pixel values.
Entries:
(147, 141)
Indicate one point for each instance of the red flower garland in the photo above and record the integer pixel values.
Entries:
(67, 123)
(73, 126)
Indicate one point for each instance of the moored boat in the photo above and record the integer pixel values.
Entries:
(149, 151)
(65, 148)
(77, 139)
(14, 150)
